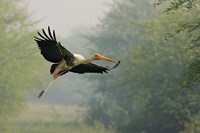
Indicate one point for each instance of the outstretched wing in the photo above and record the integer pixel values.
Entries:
(89, 68)
(52, 50)
(86, 68)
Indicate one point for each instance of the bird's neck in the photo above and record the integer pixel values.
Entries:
(81, 60)
(89, 60)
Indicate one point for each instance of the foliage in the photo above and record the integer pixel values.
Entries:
(179, 4)
(18, 64)
(143, 95)
(193, 125)
(192, 27)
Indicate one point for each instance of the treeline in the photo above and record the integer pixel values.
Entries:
(152, 91)
(18, 63)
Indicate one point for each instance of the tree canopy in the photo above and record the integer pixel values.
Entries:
(191, 26)
(18, 62)
(144, 95)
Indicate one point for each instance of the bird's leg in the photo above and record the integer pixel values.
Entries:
(43, 91)
(54, 77)
(62, 72)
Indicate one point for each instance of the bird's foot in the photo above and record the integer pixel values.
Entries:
(41, 93)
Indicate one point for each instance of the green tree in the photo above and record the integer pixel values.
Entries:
(118, 32)
(143, 95)
(190, 26)
(193, 125)
(18, 63)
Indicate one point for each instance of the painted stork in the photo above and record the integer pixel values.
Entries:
(64, 61)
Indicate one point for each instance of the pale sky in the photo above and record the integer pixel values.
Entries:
(66, 15)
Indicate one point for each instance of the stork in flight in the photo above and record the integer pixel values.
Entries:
(64, 61)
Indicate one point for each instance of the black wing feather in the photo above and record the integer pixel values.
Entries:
(46, 34)
(54, 36)
(89, 68)
(52, 50)
(53, 67)
(49, 30)
(41, 36)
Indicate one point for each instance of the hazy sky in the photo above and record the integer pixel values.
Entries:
(66, 15)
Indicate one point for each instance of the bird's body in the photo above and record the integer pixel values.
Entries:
(64, 61)
(79, 57)
(62, 66)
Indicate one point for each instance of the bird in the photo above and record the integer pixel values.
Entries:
(65, 61)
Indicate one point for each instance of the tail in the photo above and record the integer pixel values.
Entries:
(43, 91)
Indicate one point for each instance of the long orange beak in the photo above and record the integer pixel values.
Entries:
(101, 57)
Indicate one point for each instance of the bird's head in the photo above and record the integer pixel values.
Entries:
(101, 57)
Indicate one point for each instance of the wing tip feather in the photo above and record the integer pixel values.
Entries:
(49, 30)
(45, 37)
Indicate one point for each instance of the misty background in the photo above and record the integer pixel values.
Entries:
(155, 89)
(68, 18)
